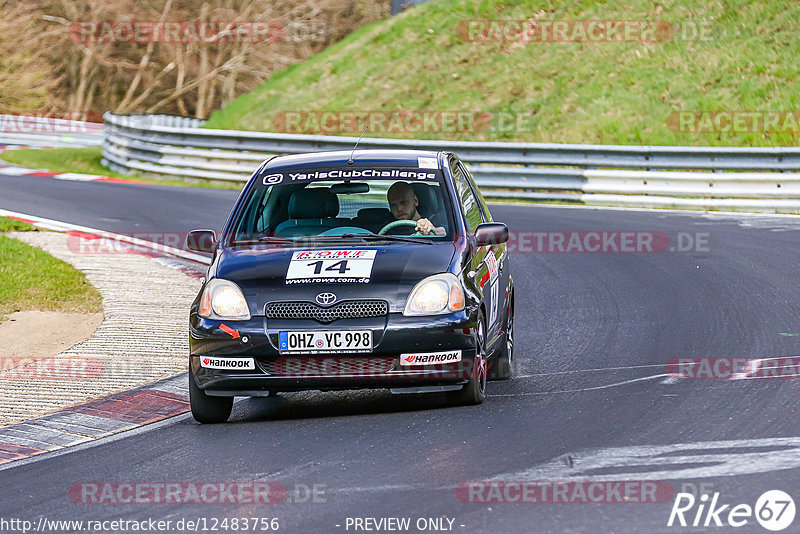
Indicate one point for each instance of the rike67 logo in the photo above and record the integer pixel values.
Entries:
(774, 510)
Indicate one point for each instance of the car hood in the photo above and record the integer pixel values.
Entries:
(261, 273)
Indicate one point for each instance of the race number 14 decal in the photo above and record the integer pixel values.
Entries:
(324, 266)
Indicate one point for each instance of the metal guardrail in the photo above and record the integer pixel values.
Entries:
(750, 179)
(49, 131)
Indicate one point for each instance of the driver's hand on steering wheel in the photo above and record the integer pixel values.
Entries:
(425, 227)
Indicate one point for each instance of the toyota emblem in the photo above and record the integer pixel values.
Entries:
(326, 298)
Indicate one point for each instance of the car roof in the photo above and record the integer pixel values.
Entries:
(363, 157)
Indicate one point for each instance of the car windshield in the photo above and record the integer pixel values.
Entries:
(301, 204)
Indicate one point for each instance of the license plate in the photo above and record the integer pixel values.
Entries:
(325, 341)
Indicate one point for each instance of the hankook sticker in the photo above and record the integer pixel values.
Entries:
(430, 358)
(210, 362)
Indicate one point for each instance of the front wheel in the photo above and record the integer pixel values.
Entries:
(205, 408)
(474, 391)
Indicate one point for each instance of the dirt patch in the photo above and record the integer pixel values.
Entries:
(38, 334)
(143, 338)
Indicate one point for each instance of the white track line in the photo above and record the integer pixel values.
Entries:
(62, 226)
(580, 390)
(597, 370)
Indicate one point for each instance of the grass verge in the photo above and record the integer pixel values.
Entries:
(31, 279)
(13, 225)
(87, 161)
(722, 56)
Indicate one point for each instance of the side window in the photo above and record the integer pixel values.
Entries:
(253, 219)
(487, 217)
(470, 205)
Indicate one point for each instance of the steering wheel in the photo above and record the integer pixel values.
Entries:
(341, 230)
(395, 224)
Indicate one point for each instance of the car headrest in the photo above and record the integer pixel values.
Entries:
(374, 215)
(314, 203)
(428, 203)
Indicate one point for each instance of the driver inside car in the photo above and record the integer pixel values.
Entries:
(403, 202)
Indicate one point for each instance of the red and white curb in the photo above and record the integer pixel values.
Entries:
(83, 421)
(95, 419)
(143, 336)
(15, 170)
(94, 233)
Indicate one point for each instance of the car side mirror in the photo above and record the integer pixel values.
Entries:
(492, 233)
(201, 240)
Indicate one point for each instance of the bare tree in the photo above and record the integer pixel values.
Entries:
(49, 61)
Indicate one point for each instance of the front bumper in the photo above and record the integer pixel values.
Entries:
(392, 335)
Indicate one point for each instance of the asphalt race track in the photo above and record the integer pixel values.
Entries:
(592, 399)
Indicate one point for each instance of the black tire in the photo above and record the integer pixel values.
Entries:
(502, 368)
(474, 391)
(205, 408)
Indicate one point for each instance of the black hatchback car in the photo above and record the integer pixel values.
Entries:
(349, 270)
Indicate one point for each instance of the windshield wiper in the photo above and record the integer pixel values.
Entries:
(263, 239)
(378, 237)
(306, 238)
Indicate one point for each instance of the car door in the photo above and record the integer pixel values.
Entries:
(495, 259)
(480, 263)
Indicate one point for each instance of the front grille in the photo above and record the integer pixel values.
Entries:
(347, 309)
(328, 365)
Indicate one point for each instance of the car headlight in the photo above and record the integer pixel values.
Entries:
(440, 293)
(223, 299)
